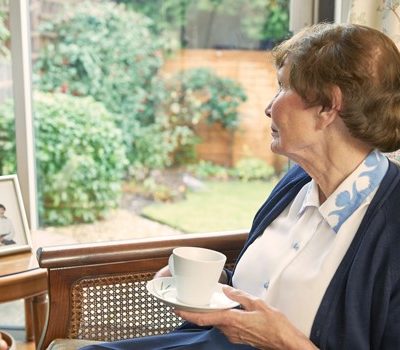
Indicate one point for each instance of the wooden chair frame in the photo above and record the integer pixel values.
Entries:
(114, 263)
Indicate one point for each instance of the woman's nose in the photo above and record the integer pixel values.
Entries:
(268, 110)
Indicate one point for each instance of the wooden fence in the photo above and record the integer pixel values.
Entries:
(255, 72)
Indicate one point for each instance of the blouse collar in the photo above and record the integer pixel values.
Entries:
(351, 193)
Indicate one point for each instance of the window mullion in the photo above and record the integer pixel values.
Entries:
(22, 90)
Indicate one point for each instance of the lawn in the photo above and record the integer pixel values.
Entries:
(226, 205)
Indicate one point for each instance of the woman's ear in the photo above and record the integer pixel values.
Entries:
(327, 115)
(336, 98)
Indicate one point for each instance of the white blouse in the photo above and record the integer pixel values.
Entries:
(291, 264)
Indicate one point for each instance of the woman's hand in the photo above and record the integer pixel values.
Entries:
(256, 324)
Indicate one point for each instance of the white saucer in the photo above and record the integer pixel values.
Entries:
(164, 289)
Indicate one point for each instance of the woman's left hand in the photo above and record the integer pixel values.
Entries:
(256, 324)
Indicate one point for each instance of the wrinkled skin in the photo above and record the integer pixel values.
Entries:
(256, 324)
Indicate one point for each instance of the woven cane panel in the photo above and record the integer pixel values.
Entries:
(118, 307)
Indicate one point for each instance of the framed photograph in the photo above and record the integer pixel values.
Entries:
(14, 230)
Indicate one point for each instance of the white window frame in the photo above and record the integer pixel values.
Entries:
(342, 10)
(22, 93)
(305, 13)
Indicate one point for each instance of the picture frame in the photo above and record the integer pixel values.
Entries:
(14, 230)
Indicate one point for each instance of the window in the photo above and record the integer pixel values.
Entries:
(17, 115)
(163, 99)
(187, 43)
(8, 154)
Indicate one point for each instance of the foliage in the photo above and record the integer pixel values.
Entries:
(274, 26)
(108, 52)
(231, 205)
(156, 190)
(8, 162)
(200, 93)
(80, 159)
(209, 170)
(260, 19)
(248, 169)
(159, 185)
(194, 95)
(151, 147)
(168, 18)
(4, 35)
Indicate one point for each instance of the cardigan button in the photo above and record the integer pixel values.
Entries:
(266, 285)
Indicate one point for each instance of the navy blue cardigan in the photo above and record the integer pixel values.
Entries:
(361, 306)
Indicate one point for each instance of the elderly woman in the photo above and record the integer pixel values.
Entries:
(321, 267)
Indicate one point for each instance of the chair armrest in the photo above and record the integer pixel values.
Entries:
(97, 291)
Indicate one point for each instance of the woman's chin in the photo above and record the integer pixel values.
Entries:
(276, 147)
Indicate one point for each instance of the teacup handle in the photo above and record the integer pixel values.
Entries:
(171, 264)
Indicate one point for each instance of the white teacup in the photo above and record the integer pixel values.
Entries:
(196, 272)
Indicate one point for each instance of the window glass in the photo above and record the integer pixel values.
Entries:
(14, 310)
(149, 115)
(7, 120)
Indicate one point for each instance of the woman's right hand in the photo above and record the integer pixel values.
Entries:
(164, 272)
(256, 324)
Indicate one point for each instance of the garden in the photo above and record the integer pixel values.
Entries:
(114, 128)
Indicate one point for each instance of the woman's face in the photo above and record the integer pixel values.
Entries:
(293, 124)
(2, 211)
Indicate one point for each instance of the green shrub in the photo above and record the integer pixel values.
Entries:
(80, 157)
(206, 170)
(169, 18)
(192, 96)
(267, 21)
(108, 52)
(248, 169)
(4, 34)
(8, 162)
(199, 93)
(260, 20)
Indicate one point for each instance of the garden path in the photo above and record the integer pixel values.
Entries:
(120, 224)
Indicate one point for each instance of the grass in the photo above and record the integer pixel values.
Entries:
(222, 206)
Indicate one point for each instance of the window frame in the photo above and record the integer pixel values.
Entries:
(22, 94)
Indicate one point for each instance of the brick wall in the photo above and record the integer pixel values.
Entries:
(255, 72)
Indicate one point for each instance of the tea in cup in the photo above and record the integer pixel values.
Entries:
(196, 272)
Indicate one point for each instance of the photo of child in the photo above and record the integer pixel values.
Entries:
(7, 233)
(14, 229)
